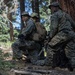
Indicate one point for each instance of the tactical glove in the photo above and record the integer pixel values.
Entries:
(21, 36)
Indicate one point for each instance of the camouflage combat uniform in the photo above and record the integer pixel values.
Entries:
(61, 44)
(27, 44)
(39, 35)
(60, 35)
(70, 49)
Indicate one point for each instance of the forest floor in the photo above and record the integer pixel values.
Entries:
(22, 68)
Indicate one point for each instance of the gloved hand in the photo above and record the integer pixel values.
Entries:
(21, 36)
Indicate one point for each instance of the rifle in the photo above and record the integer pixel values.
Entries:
(44, 48)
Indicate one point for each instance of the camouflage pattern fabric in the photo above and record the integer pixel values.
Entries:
(32, 47)
(60, 31)
(27, 43)
(70, 52)
(15, 47)
(30, 28)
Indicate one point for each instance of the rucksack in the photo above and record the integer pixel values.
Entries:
(40, 33)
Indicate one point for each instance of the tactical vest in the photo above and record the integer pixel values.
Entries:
(40, 33)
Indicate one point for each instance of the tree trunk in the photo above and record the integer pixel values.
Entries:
(68, 6)
(35, 7)
(22, 9)
(11, 27)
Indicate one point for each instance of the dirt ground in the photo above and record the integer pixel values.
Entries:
(22, 68)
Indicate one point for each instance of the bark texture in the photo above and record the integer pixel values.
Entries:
(22, 9)
(68, 6)
(35, 7)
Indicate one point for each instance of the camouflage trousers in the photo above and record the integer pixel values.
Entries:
(53, 47)
(20, 48)
(70, 52)
(60, 51)
(63, 49)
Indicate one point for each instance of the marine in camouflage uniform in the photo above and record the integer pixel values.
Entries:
(39, 35)
(61, 38)
(61, 35)
(25, 41)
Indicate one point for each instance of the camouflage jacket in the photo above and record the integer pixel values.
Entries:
(60, 21)
(29, 29)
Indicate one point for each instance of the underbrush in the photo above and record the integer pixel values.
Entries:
(5, 65)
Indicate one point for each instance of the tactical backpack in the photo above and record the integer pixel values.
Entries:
(40, 33)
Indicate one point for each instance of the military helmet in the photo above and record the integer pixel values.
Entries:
(34, 15)
(25, 14)
(55, 4)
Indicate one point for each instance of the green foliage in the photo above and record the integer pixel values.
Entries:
(6, 55)
(4, 38)
(0, 11)
(16, 33)
(4, 64)
(44, 13)
(5, 30)
(3, 26)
